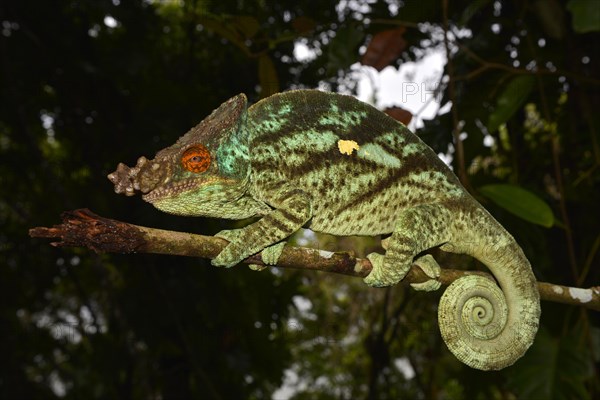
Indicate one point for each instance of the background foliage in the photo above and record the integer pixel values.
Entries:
(88, 84)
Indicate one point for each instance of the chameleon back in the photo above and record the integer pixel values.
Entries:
(321, 142)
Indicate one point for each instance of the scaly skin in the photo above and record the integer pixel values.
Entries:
(333, 164)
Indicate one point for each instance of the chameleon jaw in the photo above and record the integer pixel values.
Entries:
(173, 189)
(170, 190)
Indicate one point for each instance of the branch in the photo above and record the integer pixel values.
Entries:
(83, 228)
(485, 65)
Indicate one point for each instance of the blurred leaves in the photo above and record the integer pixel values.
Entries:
(472, 9)
(551, 15)
(384, 48)
(236, 29)
(510, 100)
(343, 49)
(267, 76)
(399, 114)
(586, 15)
(303, 25)
(554, 368)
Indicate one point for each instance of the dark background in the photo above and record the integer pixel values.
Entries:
(80, 93)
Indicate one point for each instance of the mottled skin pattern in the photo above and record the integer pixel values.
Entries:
(336, 165)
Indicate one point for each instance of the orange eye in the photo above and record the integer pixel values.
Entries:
(196, 158)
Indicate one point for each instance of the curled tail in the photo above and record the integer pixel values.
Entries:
(483, 326)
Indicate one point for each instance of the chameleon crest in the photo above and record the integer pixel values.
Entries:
(333, 164)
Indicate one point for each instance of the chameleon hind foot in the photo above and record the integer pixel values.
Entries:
(381, 275)
(432, 269)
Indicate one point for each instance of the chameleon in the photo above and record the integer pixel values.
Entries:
(333, 164)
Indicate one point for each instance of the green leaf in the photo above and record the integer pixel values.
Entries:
(551, 15)
(245, 24)
(520, 202)
(586, 15)
(223, 28)
(236, 29)
(343, 49)
(510, 100)
(472, 9)
(267, 76)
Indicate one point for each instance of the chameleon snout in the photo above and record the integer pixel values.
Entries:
(128, 180)
(123, 179)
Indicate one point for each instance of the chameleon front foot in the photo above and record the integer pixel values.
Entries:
(227, 257)
(269, 255)
(229, 234)
(432, 269)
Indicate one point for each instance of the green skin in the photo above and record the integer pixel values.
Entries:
(333, 164)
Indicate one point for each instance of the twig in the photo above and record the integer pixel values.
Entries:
(485, 65)
(395, 22)
(82, 228)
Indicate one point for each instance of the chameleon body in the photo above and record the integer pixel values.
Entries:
(333, 164)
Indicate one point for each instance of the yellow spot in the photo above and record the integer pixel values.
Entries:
(347, 146)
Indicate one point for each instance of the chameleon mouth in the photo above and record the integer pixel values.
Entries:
(170, 190)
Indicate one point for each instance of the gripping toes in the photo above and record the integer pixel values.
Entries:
(374, 277)
(385, 272)
(230, 234)
(227, 258)
(233, 253)
(432, 269)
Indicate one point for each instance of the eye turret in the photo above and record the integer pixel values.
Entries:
(196, 158)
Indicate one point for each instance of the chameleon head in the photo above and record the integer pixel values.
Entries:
(204, 169)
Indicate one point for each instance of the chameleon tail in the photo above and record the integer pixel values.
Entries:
(483, 326)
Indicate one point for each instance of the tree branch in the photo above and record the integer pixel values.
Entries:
(484, 65)
(83, 228)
